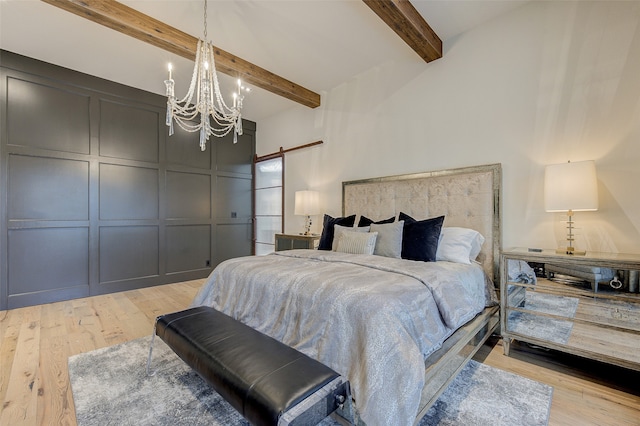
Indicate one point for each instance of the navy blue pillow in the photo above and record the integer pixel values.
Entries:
(420, 238)
(365, 221)
(406, 218)
(326, 239)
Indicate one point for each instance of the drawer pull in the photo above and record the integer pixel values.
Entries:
(615, 283)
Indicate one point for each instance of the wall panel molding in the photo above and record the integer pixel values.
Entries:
(96, 198)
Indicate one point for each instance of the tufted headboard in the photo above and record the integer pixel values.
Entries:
(468, 197)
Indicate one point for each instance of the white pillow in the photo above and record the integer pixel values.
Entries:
(460, 245)
(357, 242)
(339, 229)
(389, 241)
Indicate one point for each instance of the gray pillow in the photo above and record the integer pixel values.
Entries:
(339, 229)
(356, 242)
(389, 241)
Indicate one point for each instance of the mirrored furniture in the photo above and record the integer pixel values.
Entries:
(296, 241)
(586, 305)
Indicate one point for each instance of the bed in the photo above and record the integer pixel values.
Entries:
(399, 329)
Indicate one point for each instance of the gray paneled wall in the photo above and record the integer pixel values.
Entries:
(97, 198)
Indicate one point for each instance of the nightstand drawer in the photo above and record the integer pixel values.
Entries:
(293, 241)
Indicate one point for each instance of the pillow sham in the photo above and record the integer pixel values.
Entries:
(365, 221)
(357, 242)
(420, 238)
(460, 245)
(339, 229)
(389, 241)
(326, 238)
(476, 246)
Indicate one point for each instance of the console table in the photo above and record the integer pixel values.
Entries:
(593, 320)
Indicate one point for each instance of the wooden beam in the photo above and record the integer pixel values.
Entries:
(129, 21)
(405, 20)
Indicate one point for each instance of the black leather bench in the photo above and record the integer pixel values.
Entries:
(266, 381)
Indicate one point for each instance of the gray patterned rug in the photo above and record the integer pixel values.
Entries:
(110, 387)
(551, 329)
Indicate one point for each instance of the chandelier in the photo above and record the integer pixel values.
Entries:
(204, 98)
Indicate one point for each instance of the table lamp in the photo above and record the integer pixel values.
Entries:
(307, 203)
(571, 187)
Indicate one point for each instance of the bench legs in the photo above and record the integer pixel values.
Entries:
(307, 409)
(153, 338)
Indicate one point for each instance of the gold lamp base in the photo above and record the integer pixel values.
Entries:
(571, 251)
(307, 226)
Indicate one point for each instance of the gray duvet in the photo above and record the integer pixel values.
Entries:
(373, 319)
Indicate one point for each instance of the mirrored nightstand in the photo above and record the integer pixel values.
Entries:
(296, 241)
(579, 310)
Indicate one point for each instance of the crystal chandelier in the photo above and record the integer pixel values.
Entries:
(204, 88)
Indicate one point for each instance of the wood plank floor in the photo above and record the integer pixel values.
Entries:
(35, 343)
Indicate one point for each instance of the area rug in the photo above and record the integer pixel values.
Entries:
(541, 327)
(110, 387)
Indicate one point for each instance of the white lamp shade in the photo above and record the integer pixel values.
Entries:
(571, 186)
(307, 203)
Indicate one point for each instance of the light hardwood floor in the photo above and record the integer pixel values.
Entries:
(35, 343)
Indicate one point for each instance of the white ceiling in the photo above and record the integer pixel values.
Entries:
(317, 44)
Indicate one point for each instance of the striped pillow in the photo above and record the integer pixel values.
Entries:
(338, 230)
(357, 242)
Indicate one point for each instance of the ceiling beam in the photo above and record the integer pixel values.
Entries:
(129, 21)
(407, 22)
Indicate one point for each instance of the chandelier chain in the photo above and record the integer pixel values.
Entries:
(205, 20)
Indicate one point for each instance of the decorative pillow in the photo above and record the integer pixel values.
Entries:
(460, 245)
(389, 241)
(357, 242)
(338, 230)
(420, 239)
(365, 221)
(406, 218)
(326, 239)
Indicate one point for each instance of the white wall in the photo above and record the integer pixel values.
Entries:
(545, 83)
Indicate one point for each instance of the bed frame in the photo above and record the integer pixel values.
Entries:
(468, 197)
